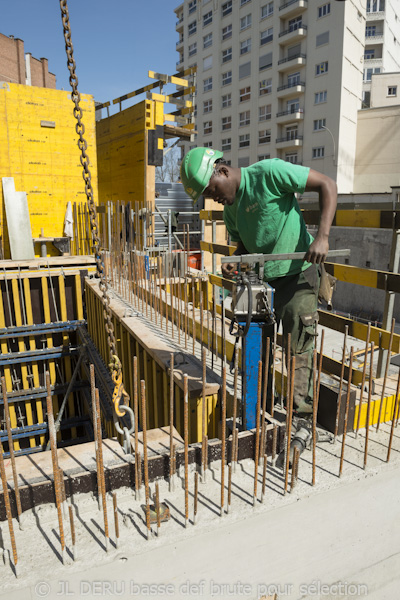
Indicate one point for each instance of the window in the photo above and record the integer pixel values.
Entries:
(295, 23)
(226, 100)
(192, 49)
(291, 132)
(192, 6)
(318, 152)
(226, 123)
(208, 144)
(227, 78)
(319, 124)
(322, 39)
(369, 53)
(207, 62)
(207, 127)
(207, 40)
(244, 140)
(392, 90)
(192, 28)
(227, 32)
(265, 61)
(267, 10)
(266, 36)
(370, 31)
(293, 105)
(263, 156)
(207, 106)
(245, 46)
(245, 22)
(375, 5)
(292, 158)
(226, 144)
(293, 79)
(243, 2)
(264, 112)
(226, 55)
(244, 94)
(207, 84)
(227, 8)
(245, 70)
(320, 97)
(207, 18)
(367, 73)
(265, 86)
(264, 136)
(324, 10)
(321, 68)
(244, 118)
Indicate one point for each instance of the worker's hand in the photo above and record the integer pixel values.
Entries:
(318, 250)
(228, 270)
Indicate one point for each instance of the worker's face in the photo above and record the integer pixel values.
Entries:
(221, 187)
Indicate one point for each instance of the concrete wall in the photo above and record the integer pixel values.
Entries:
(379, 89)
(44, 161)
(12, 65)
(377, 165)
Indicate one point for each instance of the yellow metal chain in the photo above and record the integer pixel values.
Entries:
(119, 395)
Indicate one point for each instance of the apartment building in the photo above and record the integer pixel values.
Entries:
(280, 78)
(18, 66)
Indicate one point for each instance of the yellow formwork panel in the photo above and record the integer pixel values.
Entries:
(44, 161)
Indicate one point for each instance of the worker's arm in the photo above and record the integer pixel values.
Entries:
(228, 269)
(327, 191)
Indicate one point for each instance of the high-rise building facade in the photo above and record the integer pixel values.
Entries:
(280, 78)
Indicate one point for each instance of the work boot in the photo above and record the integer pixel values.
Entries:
(300, 440)
(302, 400)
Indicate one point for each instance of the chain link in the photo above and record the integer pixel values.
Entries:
(115, 363)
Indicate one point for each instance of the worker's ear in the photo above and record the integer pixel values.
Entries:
(223, 170)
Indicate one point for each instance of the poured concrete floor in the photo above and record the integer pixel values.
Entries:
(339, 539)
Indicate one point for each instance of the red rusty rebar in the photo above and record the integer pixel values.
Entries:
(257, 441)
(346, 415)
(367, 424)
(11, 449)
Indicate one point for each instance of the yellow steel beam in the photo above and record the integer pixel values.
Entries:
(211, 215)
(168, 78)
(217, 248)
(381, 280)
(383, 219)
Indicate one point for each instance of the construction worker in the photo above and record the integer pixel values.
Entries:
(262, 216)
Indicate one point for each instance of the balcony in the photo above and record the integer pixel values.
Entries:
(179, 43)
(291, 89)
(292, 8)
(375, 38)
(289, 141)
(179, 64)
(372, 62)
(179, 24)
(285, 64)
(375, 16)
(290, 36)
(289, 116)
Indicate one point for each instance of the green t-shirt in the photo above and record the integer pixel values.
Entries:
(266, 216)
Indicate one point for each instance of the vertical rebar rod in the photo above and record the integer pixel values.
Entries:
(185, 293)
(54, 459)
(203, 416)
(96, 440)
(223, 336)
(72, 527)
(179, 307)
(295, 467)
(346, 415)
(103, 483)
(136, 411)
(339, 399)
(214, 330)
(395, 408)
(208, 315)
(368, 419)
(264, 398)
(196, 495)
(274, 443)
(166, 303)
(194, 317)
(201, 311)
(223, 439)
(314, 416)
(257, 440)
(8, 508)
(171, 423)
(158, 512)
(11, 450)
(363, 377)
(321, 356)
(116, 523)
(273, 373)
(145, 456)
(234, 412)
(186, 442)
(386, 374)
(290, 408)
(264, 478)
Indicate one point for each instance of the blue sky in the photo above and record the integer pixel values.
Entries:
(115, 42)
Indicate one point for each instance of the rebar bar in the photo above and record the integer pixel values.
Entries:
(367, 424)
(158, 512)
(72, 527)
(273, 373)
(346, 415)
(8, 508)
(314, 415)
(274, 443)
(295, 468)
(386, 374)
(264, 478)
(264, 398)
(339, 399)
(145, 456)
(171, 423)
(363, 377)
(229, 487)
(203, 416)
(195, 496)
(290, 408)
(186, 442)
(102, 477)
(136, 411)
(95, 434)
(257, 440)
(11, 451)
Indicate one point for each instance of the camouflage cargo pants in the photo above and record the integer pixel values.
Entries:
(295, 304)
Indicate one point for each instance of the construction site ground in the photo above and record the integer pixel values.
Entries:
(338, 539)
